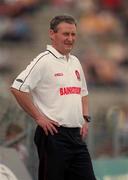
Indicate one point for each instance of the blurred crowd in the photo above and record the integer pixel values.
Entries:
(104, 27)
(14, 28)
(111, 129)
(13, 18)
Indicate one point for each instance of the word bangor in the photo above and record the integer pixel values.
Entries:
(70, 90)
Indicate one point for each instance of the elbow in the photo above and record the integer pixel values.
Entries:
(16, 93)
(13, 90)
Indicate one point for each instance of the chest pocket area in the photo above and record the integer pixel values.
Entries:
(59, 79)
(55, 79)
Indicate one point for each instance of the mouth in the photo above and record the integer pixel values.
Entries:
(69, 44)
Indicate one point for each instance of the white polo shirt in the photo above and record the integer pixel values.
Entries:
(56, 85)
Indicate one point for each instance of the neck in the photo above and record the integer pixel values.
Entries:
(61, 52)
(67, 57)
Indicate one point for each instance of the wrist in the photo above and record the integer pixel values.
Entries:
(87, 118)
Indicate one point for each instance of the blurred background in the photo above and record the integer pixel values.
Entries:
(102, 48)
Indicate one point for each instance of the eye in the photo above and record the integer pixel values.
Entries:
(66, 34)
(73, 34)
(69, 34)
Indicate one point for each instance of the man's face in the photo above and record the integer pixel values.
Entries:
(63, 40)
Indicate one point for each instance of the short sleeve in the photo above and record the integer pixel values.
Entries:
(84, 90)
(28, 79)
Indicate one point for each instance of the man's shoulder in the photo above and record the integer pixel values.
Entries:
(74, 58)
(42, 55)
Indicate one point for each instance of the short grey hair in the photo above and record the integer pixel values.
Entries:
(59, 19)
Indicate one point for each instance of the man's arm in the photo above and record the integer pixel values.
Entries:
(85, 108)
(25, 101)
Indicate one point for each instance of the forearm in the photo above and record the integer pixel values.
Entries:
(25, 101)
(85, 105)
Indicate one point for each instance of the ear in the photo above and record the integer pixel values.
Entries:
(51, 34)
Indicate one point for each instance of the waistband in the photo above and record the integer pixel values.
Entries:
(64, 129)
(68, 129)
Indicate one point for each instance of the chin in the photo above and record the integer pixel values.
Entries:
(68, 49)
(67, 52)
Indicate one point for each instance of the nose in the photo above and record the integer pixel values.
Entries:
(70, 38)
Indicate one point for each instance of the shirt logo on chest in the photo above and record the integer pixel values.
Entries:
(58, 74)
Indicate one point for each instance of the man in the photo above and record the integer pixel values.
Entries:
(53, 90)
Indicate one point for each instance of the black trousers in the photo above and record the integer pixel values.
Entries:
(63, 156)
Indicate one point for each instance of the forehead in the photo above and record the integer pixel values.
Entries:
(66, 27)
